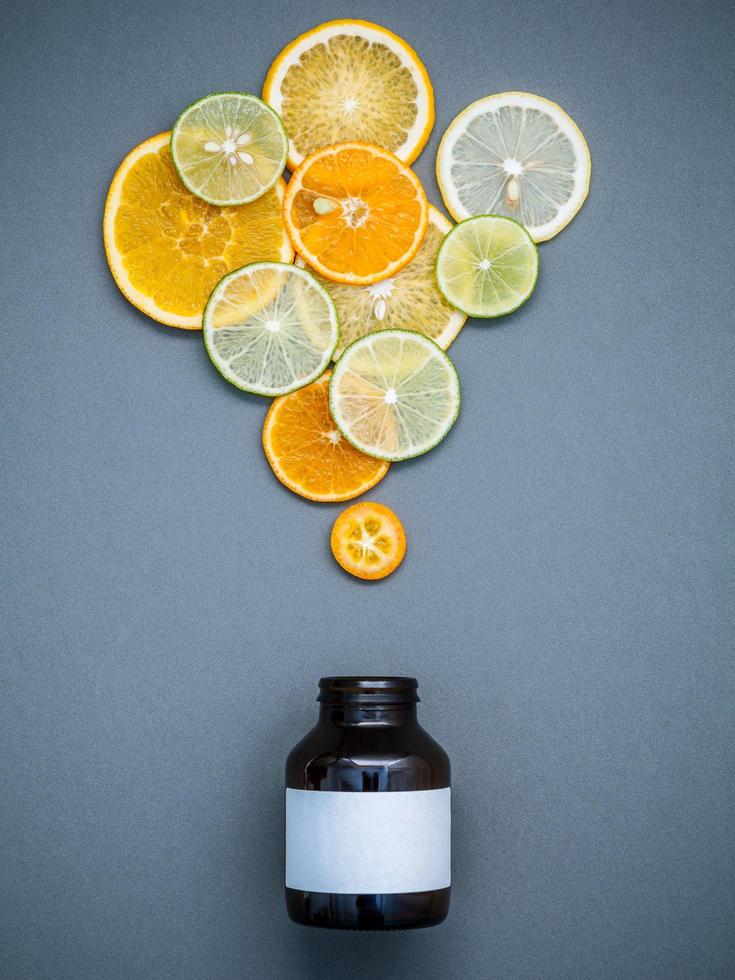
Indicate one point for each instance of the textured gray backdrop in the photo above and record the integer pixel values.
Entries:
(168, 607)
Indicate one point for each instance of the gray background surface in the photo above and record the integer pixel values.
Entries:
(168, 607)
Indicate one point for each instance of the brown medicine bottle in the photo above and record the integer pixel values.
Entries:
(368, 812)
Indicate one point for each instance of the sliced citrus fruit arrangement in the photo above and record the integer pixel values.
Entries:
(167, 249)
(229, 148)
(270, 328)
(487, 266)
(351, 80)
(518, 155)
(355, 213)
(368, 540)
(308, 453)
(409, 300)
(394, 394)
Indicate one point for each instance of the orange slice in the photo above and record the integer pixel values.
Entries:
(355, 213)
(307, 452)
(167, 249)
(368, 540)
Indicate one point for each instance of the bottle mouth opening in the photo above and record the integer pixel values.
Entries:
(368, 690)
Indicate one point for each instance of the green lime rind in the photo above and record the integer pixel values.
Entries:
(276, 163)
(456, 235)
(343, 365)
(267, 312)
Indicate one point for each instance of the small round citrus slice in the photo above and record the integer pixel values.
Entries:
(270, 328)
(368, 540)
(518, 155)
(307, 452)
(394, 394)
(351, 80)
(355, 213)
(409, 300)
(167, 249)
(229, 148)
(487, 266)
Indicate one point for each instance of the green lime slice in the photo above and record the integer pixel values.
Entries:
(229, 148)
(394, 394)
(487, 266)
(270, 328)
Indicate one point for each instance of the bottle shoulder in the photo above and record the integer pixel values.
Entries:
(370, 758)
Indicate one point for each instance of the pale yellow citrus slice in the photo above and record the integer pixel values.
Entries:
(167, 249)
(517, 155)
(409, 300)
(351, 80)
(307, 452)
(368, 540)
(355, 213)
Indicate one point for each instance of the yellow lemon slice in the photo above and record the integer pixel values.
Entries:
(517, 155)
(351, 80)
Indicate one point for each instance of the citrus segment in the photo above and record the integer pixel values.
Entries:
(270, 328)
(307, 452)
(229, 148)
(355, 213)
(409, 300)
(517, 155)
(487, 266)
(167, 249)
(394, 394)
(368, 540)
(351, 80)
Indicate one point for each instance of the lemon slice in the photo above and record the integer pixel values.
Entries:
(229, 148)
(487, 266)
(270, 328)
(394, 394)
(409, 300)
(518, 155)
(351, 80)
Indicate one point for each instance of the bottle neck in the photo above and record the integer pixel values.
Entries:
(368, 715)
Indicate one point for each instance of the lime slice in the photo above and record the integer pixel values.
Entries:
(270, 328)
(518, 155)
(394, 394)
(229, 148)
(487, 266)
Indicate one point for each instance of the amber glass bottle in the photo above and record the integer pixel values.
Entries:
(368, 812)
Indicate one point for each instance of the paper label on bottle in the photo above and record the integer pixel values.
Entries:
(368, 843)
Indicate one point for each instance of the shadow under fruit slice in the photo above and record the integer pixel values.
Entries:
(307, 452)
(368, 540)
(355, 213)
(167, 249)
(270, 328)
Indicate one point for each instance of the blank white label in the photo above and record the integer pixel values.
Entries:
(368, 843)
